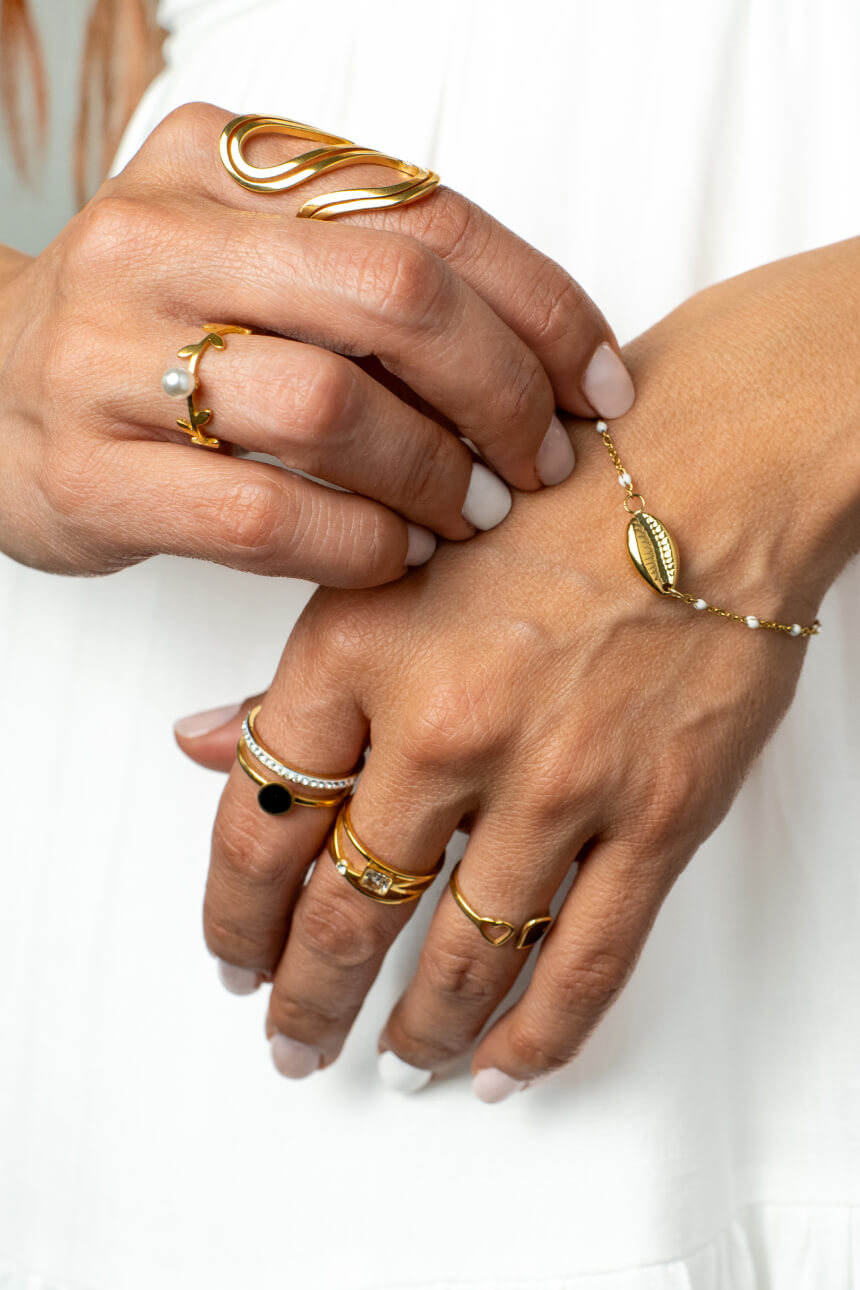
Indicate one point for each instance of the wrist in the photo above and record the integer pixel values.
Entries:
(744, 436)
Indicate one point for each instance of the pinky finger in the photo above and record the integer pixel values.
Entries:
(583, 967)
(179, 500)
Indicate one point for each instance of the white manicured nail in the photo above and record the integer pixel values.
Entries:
(607, 384)
(201, 723)
(422, 544)
(400, 1076)
(492, 1085)
(293, 1059)
(238, 980)
(488, 499)
(555, 459)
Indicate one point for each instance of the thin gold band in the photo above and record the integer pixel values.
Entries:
(335, 784)
(377, 880)
(334, 154)
(285, 798)
(498, 931)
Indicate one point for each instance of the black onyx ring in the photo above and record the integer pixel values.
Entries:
(292, 787)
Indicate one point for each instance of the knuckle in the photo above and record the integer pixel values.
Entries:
(590, 985)
(558, 304)
(410, 1038)
(185, 127)
(320, 395)
(453, 721)
(428, 467)
(538, 1053)
(670, 802)
(291, 1011)
(249, 518)
(557, 787)
(244, 856)
(233, 942)
(525, 391)
(454, 227)
(337, 933)
(342, 628)
(109, 236)
(406, 284)
(459, 978)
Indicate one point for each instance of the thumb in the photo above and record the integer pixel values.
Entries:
(210, 738)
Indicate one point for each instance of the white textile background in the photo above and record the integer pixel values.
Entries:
(708, 1138)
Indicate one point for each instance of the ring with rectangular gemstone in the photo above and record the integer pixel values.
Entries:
(377, 880)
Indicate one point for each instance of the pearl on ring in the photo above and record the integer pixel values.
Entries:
(178, 382)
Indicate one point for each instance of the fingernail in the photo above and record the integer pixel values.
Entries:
(488, 499)
(292, 1059)
(422, 544)
(607, 384)
(400, 1076)
(201, 723)
(555, 459)
(491, 1085)
(238, 980)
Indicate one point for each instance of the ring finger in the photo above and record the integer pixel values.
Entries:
(466, 970)
(320, 413)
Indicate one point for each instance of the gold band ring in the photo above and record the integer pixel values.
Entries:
(274, 797)
(334, 154)
(301, 788)
(181, 382)
(378, 880)
(498, 931)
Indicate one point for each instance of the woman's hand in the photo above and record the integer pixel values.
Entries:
(476, 334)
(535, 687)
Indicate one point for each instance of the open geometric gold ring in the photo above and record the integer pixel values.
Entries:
(376, 879)
(497, 930)
(305, 789)
(334, 153)
(181, 382)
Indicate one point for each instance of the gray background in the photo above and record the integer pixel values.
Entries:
(31, 214)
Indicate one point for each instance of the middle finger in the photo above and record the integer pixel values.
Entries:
(339, 936)
(365, 291)
(509, 874)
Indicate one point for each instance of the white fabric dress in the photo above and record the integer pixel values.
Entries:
(708, 1138)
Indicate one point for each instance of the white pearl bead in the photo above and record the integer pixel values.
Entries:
(752, 622)
(700, 604)
(624, 480)
(601, 427)
(795, 629)
(178, 382)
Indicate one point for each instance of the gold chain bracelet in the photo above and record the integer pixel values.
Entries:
(652, 549)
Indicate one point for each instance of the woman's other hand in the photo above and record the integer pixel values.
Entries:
(472, 332)
(536, 687)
